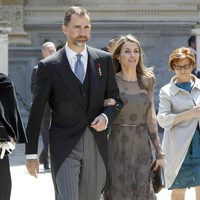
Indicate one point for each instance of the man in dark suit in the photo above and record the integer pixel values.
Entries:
(193, 46)
(75, 81)
(48, 48)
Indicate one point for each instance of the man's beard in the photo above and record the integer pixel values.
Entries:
(80, 42)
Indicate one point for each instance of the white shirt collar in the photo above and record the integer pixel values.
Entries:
(71, 56)
(70, 53)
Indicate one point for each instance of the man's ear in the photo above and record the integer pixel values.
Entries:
(64, 29)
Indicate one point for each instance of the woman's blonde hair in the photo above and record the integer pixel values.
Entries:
(141, 70)
(179, 54)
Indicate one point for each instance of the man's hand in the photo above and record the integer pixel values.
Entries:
(99, 123)
(32, 166)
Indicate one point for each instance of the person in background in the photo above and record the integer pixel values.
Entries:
(192, 44)
(130, 154)
(75, 81)
(11, 132)
(179, 115)
(104, 49)
(193, 47)
(60, 46)
(48, 48)
(112, 43)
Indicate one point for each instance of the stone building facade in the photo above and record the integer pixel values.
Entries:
(160, 26)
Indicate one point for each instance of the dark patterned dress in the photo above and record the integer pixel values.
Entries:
(130, 154)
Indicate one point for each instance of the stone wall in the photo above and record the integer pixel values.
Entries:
(21, 62)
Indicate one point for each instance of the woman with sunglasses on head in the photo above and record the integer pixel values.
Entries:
(179, 115)
(129, 150)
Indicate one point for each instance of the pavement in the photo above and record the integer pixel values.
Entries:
(26, 187)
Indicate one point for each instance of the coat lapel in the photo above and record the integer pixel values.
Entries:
(70, 81)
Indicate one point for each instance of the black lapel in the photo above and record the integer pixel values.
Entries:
(70, 81)
(93, 61)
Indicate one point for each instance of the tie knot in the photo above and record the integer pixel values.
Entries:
(78, 56)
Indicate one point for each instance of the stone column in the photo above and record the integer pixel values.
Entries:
(13, 11)
(5, 28)
(196, 31)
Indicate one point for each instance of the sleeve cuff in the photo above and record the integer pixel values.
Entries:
(106, 120)
(160, 155)
(31, 156)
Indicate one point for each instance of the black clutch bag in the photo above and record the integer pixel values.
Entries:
(158, 179)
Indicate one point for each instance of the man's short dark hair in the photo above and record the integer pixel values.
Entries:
(191, 39)
(74, 10)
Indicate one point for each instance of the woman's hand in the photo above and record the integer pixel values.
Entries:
(109, 102)
(196, 111)
(187, 115)
(159, 162)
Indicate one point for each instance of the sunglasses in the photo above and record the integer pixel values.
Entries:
(179, 67)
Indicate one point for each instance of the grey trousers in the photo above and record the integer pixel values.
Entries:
(82, 176)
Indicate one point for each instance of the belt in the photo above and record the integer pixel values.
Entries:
(132, 125)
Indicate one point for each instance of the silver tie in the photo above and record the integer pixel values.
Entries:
(79, 68)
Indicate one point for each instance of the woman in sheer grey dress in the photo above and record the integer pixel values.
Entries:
(130, 154)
